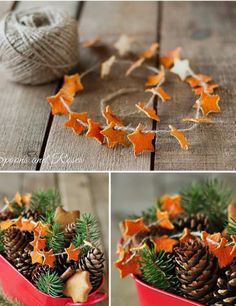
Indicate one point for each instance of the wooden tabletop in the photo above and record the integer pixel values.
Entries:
(204, 30)
(86, 192)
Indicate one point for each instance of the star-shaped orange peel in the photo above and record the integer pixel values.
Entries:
(48, 258)
(142, 141)
(126, 265)
(168, 58)
(94, 131)
(150, 112)
(73, 122)
(110, 117)
(179, 136)
(134, 226)
(72, 84)
(72, 252)
(163, 219)
(114, 136)
(59, 102)
(171, 204)
(209, 103)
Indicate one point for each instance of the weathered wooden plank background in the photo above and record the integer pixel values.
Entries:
(86, 192)
(132, 193)
(206, 34)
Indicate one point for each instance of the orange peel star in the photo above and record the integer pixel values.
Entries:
(172, 204)
(209, 88)
(72, 252)
(114, 136)
(49, 259)
(198, 79)
(168, 58)
(160, 92)
(36, 256)
(72, 84)
(142, 141)
(57, 102)
(73, 122)
(126, 265)
(163, 219)
(179, 136)
(164, 243)
(110, 117)
(134, 226)
(150, 112)
(209, 103)
(94, 131)
(155, 79)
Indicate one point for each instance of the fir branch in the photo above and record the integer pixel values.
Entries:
(86, 229)
(50, 283)
(231, 227)
(158, 270)
(16, 209)
(48, 218)
(55, 239)
(2, 249)
(210, 197)
(45, 200)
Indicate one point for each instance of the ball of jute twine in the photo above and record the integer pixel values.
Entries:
(38, 45)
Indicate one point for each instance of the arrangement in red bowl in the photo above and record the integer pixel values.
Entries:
(52, 256)
(182, 251)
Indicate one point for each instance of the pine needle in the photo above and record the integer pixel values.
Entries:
(211, 198)
(87, 229)
(45, 200)
(231, 227)
(55, 239)
(50, 283)
(158, 269)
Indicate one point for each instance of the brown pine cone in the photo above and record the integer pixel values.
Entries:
(198, 222)
(5, 215)
(23, 261)
(31, 213)
(62, 263)
(197, 271)
(226, 287)
(38, 270)
(93, 262)
(69, 233)
(14, 241)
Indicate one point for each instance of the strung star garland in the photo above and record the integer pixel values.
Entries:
(115, 132)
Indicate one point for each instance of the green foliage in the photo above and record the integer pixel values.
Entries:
(16, 209)
(45, 200)
(50, 283)
(158, 270)
(231, 227)
(1, 243)
(86, 229)
(48, 218)
(55, 239)
(210, 197)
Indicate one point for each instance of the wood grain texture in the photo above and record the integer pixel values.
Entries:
(25, 112)
(208, 41)
(107, 20)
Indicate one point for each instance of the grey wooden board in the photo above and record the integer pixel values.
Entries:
(86, 192)
(209, 42)
(132, 193)
(107, 20)
(25, 112)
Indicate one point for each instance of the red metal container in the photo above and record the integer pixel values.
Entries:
(149, 296)
(16, 286)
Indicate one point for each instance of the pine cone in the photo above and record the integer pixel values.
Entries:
(226, 287)
(5, 215)
(69, 233)
(23, 261)
(62, 263)
(198, 222)
(14, 241)
(93, 262)
(38, 270)
(31, 213)
(197, 271)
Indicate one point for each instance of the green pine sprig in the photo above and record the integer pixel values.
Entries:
(149, 215)
(48, 217)
(2, 249)
(50, 283)
(45, 200)
(4, 301)
(158, 269)
(87, 229)
(231, 227)
(210, 197)
(55, 239)
(16, 209)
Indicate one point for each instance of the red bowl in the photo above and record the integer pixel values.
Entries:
(150, 296)
(16, 286)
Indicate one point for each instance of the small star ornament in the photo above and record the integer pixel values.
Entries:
(181, 68)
